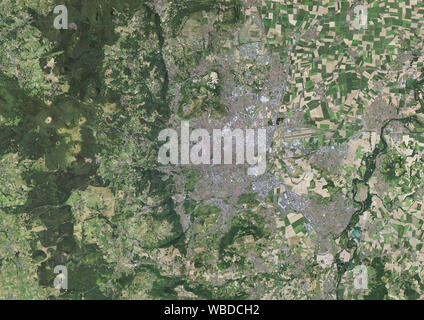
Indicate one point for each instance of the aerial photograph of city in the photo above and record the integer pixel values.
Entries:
(205, 150)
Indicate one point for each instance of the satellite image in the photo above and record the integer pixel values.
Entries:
(211, 149)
